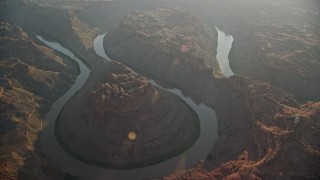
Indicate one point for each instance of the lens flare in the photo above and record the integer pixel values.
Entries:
(184, 48)
(132, 136)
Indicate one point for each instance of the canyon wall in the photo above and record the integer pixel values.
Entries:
(60, 24)
(32, 77)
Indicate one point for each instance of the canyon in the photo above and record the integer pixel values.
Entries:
(261, 110)
(268, 112)
(32, 77)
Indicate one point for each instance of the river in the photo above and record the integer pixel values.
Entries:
(67, 163)
(223, 49)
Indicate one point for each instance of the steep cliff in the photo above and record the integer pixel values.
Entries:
(46, 18)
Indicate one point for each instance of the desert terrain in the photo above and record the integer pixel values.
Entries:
(268, 112)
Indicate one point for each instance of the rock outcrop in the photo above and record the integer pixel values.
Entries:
(32, 76)
(125, 122)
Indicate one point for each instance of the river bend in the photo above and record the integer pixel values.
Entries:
(67, 163)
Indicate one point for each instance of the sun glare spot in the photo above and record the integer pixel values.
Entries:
(132, 136)
(184, 48)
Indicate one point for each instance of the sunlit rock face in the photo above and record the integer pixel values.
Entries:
(125, 122)
(122, 91)
(32, 77)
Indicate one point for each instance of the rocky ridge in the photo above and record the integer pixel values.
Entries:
(31, 78)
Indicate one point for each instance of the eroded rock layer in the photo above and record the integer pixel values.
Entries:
(32, 76)
(126, 122)
(269, 136)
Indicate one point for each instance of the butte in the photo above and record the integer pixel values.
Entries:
(126, 122)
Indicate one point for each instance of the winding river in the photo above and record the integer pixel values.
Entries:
(65, 162)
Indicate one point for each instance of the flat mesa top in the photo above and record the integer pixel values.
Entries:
(174, 31)
(174, 28)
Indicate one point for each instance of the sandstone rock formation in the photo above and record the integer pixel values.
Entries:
(125, 122)
(31, 78)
